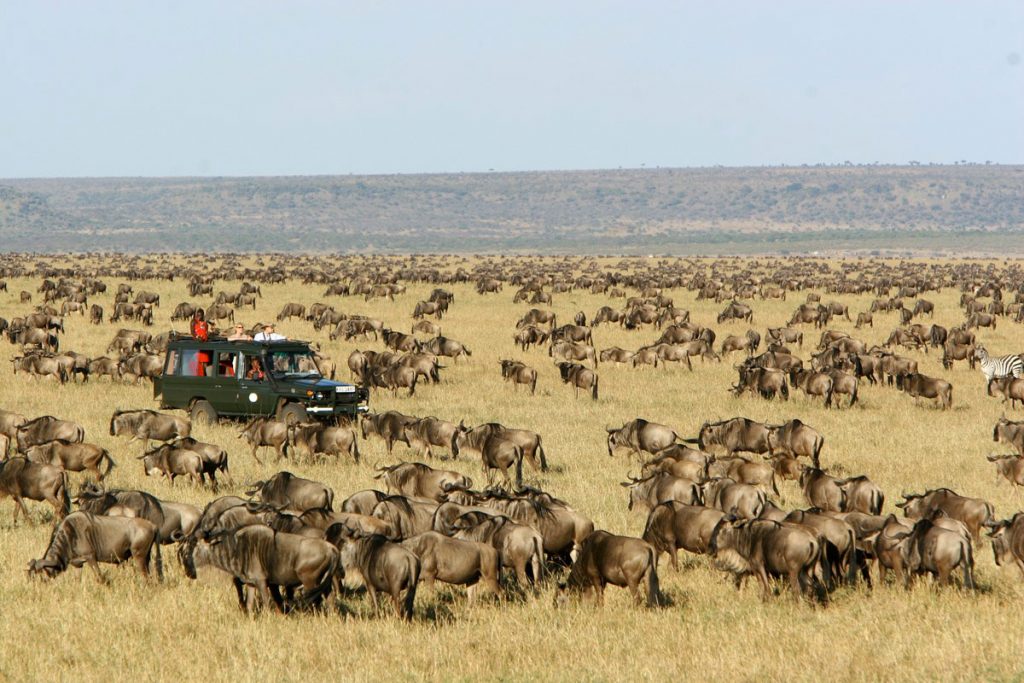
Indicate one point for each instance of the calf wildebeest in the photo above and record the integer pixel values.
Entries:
(315, 437)
(149, 424)
(72, 457)
(455, 561)
(738, 434)
(659, 487)
(1007, 538)
(429, 431)
(641, 436)
(520, 547)
(519, 373)
(83, 538)
(681, 461)
(389, 426)
(46, 428)
(744, 471)
(293, 494)
(267, 560)
(380, 565)
(263, 431)
(20, 478)
(767, 548)
(918, 385)
(417, 480)
(617, 560)
(580, 377)
(974, 513)
(672, 525)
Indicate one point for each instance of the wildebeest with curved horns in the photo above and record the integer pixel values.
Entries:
(83, 538)
(47, 428)
(617, 560)
(455, 561)
(975, 513)
(580, 377)
(267, 560)
(474, 438)
(641, 436)
(673, 525)
(518, 372)
(72, 457)
(918, 385)
(796, 438)
(381, 565)
(263, 431)
(389, 425)
(737, 434)
(293, 494)
(417, 480)
(21, 478)
(520, 547)
(1007, 538)
(148, 424)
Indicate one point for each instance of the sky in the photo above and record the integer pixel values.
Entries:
(182, 88)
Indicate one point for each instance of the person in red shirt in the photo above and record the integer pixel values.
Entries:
(200, 328)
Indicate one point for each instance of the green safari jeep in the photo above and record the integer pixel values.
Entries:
(243, 379)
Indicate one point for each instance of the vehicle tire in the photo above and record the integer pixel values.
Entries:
(292, 413)
(203, 413)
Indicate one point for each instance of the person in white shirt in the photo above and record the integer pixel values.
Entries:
(268, 334)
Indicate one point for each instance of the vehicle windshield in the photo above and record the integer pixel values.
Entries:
(292, 364)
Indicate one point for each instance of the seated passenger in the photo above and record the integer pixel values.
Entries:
(255, 369)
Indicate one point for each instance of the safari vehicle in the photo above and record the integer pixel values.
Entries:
(220, 378)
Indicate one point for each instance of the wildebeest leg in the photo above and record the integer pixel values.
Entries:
(371, 593)
(19, 504)
(762, 578)
(240, 591)
(256, 457)
(267, 596)
(91, 561)
(141, 561)
(634, 589)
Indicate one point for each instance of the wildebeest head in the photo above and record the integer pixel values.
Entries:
(913, 505)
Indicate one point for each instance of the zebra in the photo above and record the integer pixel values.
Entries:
(1002, 366)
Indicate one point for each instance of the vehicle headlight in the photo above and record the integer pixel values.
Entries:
(319, 395)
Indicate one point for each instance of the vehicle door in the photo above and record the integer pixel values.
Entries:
(256, 394)
(226, 393)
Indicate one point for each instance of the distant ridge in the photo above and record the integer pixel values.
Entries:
(707, 210)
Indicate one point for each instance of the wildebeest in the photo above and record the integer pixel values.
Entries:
(767, 548)
(973, 512)
(520, 547)
(443, 346)
(455, 561)
(738, 434)
(519, 373)
(658, 487)
(291, 310)
(429, 431)
(932, 548)
(1007, 538)
(293, 494)
(389, 426)
(736, 311)
(46, 428)
(571, 351)
(726, 494)
(672, 525)
(822, 490)
(617, 560)
(476, 438)
(263, 431)
(405, 517)
(787, 335)
(267, 560)
(749, 342)
(72, 457)
(796, 438)
(20, 478)
(813, 383)
(1009, 432)
(918, 385)
(860, 494)
(615, 354)
(417, 480)
(83, 538)
(580, 377)
(1010, 388)
(316, 437)
(764, 382)
(173, 462)
(380, 565)
(149, 424)
(864, 318)
(40, 366)
(1011, 467)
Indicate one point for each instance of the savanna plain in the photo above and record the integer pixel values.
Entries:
(74, 628)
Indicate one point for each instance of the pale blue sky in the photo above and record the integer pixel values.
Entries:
(272, 88)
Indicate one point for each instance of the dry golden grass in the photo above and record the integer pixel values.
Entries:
(74, 628)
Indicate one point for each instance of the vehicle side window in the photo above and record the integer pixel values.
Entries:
(196, 363)
(172, 363)
(226, 364)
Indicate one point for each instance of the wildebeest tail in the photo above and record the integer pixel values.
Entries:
(785, 390)
(323, 588)
(329, 501)
(65, 497)
(410, 592)
(519, 466)
(593, 389)
(819, 443)
(851, 559)
(537, 563)
(158, 558)
(105, 455)
(355, 447)
(967, 555)
(853, 394)
(654, 597)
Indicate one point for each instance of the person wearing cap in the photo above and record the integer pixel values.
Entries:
(239, 333)
(269, 333)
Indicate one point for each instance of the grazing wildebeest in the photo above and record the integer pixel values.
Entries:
(749, 342)
(864, 318)
(316, 437)
(519, 373)
(639, 436)
(293, 494)
(615, 354)
(764, 382)
(267, 560)
(417, 480)
(83, 538)
(738, 434)
(1007, 538)
(476, 438)
(659, 487)
(149, 424)
(389, 426)
(291, 310)
(520, 547)
(72, 457)
(606, 314)
(455, 561)
(430, 431)
(443, 346)
(263, 431)
(380, 565)
(918, 385)
(787, 335)
(813, 383)
(974, 513)
(736, 311)
(645, 355)
(46, 428)
(580, 377)
(767, 548)
(1011, 467)
(20, 478)
(530, 335)
(571, 351)
(672, 525)
(617, 560)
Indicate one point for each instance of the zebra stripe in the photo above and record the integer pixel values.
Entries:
(1003, 366)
